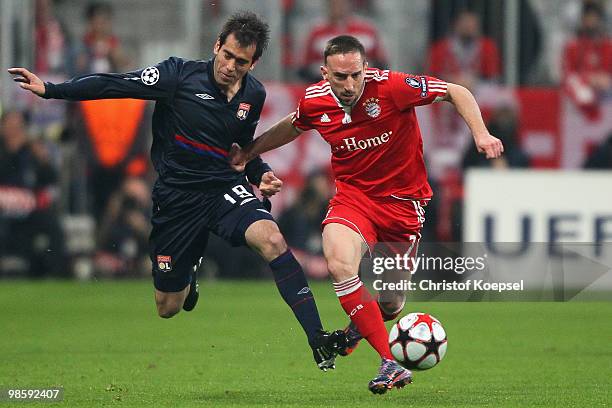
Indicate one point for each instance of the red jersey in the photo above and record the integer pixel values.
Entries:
(377, 146)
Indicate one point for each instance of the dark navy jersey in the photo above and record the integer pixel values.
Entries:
(194, 125)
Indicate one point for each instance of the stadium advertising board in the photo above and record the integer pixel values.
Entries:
(547, 225)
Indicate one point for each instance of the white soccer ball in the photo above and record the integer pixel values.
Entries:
(418, 341)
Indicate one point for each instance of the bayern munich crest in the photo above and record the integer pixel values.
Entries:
(372, 107)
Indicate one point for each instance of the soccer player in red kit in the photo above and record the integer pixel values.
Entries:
(367, 116)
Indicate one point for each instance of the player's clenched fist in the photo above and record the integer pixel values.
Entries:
(491, 146)
(237, 158)
(270, 184)
(28, 80)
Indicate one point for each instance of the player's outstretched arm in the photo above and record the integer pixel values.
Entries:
(278, 135)
(151, 83)
(28, 80)
(466, 105)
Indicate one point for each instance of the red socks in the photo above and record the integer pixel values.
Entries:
(364, 313)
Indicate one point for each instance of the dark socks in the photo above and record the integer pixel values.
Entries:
(293, 287)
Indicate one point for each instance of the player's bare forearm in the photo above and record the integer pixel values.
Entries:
(467, 107)
(278, 135)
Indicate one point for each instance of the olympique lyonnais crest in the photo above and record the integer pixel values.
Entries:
(164, 263)
(243, 111)
(372, 107)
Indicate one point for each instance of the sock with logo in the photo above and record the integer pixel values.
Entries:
(293, 287)
(363, 311)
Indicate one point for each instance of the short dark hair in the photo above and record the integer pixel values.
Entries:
(343, 44)
(248, 29)
(593, 7)
(96, 8)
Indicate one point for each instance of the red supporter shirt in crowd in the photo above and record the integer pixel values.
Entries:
(447, 60)
(377, 147)
(585, 56)
(361, 29)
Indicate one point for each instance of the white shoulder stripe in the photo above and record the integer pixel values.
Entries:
(323, 85)
(318, 90)
(376, 78)
(374, 70)
(316, 95)
(323, 92)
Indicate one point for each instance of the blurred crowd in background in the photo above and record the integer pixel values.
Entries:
(75, 178)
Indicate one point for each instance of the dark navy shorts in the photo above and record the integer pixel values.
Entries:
(183, 219)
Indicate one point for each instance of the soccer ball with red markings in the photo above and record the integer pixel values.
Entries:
(418, 341)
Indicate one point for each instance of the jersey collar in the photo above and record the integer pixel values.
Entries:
(348, 109)
(211, 77)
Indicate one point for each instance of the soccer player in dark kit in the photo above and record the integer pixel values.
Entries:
(201, 109)
(367, 116)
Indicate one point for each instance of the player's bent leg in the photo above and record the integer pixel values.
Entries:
(170, 303)
(264, 237)
(342, 248)
(392, 306)
(391, 301)
(177, 241)
(389, 311)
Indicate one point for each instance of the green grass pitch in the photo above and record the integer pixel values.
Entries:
(241, 346)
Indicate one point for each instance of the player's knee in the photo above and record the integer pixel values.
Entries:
(167, 306)
(340, 270)
(277, 242)
(274, 245)
(392, 306)
(166, 311)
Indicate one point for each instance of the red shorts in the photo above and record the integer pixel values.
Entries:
(387, 219)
